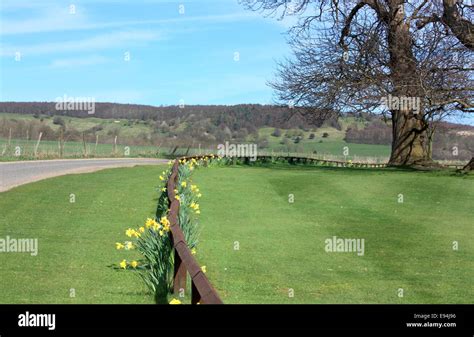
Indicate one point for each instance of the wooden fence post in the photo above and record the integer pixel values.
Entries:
(179, 277)
(195, 296)
(38, 143)
(84, 143)
(115, 145)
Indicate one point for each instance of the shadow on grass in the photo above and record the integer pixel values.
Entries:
(161, 296)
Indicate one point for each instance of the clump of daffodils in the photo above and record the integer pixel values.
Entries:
(152, 240)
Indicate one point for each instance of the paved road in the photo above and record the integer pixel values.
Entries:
(18, 173)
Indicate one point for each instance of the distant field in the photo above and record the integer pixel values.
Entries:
(281, 245)
(333, 145)
(75, 149)
(50, 150)
(82, 124)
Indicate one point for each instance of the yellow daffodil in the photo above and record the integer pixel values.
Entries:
(191, 168)
(162, 178)
(175, 301)
(129, 232)
(136, 234)
(150, 223)
(163, 189)
(177, 197)
(199, 195)
(193, 187)
(183, 184)
(161, 232)
(198, 212)
(164, 220)
(170, 162)
(134, 264)
(123, 264)
(141, 229)
(193, 251)
(128, 245)
(118, 245)
(192, 204)
(204, 269)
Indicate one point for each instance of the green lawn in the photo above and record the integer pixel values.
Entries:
(281, 245)
(76, 240)
(408, 245)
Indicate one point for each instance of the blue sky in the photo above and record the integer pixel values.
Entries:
(216, 52)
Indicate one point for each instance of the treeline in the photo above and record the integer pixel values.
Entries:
(249, 116)
(376, 132)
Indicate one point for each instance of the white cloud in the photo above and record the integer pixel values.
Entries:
(124, 39)
(48, 18)
(55, 18)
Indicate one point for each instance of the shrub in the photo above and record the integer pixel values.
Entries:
(58, 121)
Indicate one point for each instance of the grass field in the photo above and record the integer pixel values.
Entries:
(333, 145)
(281, 245)
(76, 240)
(50, 150)
(257, 246)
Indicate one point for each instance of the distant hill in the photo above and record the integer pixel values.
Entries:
(212, 124)
(234, 116)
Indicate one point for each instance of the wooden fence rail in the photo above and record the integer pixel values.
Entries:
(184, 262)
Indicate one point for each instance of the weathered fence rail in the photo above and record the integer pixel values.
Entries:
(336, 163)
(184, 262)
(311, 160)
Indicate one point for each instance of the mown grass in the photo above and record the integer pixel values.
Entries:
(281, 245)
(76, 240)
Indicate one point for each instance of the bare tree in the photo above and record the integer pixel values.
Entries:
(411, 62)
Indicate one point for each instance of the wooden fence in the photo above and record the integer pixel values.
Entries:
(184, 262)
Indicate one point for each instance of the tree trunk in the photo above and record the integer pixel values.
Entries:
(410, 143)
